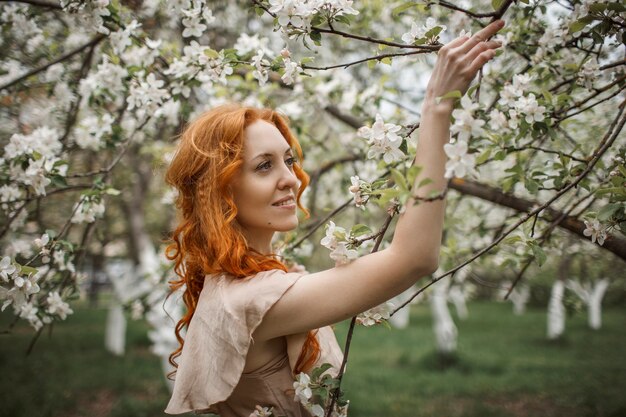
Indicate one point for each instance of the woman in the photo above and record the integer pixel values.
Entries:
(251, 326)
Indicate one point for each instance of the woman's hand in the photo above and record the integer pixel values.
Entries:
(459, 61)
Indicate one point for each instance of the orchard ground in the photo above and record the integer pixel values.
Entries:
(505, 367)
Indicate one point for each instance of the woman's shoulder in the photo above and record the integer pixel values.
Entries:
(258, 291)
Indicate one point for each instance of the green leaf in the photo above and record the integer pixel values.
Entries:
(316, 36)
(483, 156)
(424, 182)
(512, 239)
(317, 372)
(27, 270)
(607, 211)
(211, 53)
(540, 255)
(450, 94)
(403, 8)
(580, 24)
(386, 61)
(359, 229)
(496, 4)
(399, 179)
(342, 19)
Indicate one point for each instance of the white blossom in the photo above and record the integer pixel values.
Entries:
(43, 140)
(42, 241)
(303, 390)
(260, 72)
(589, 72)
(418, 32)
(596, 231)
(56, 305)
(63, 264)
(464, 122)
(23, 288)
(262, 411)
(146, 95)
(330, 240)
(531, 108)
(497, 120)
(355, 189)
(87, 210)
(9, 193)
(342, 255)
(383, 140)
(460, 163)
(292, 69)
(91, 130)
(6, 268)
(375, 315)
(28, 311)
(246, 44)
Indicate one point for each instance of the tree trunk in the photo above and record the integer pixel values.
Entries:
(115, 336)
(457, 297)
(556, 311)
(595, 303)
(520, 297)
(443, 325)
(400, 320)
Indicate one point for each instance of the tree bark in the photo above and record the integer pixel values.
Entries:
(485, 192)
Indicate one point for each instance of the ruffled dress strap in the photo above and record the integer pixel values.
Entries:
(219, 337)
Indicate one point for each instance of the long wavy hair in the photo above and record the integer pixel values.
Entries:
(207, 239)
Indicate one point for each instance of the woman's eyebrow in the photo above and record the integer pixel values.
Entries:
(269, 154)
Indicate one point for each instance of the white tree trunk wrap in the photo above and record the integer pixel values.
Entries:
(457, 297)
(443, 325)
(591, 295)
(519, 297)
(556, 311)
(115, 335)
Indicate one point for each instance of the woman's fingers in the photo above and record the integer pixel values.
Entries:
(480, 48)
(481, 36)
(480, 60)
(456, 42)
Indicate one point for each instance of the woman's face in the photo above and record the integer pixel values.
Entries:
(265, 188)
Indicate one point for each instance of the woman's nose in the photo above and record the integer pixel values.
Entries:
(288, 178)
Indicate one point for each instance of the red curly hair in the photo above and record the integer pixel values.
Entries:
(207, 240)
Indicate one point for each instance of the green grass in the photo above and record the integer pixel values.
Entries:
(504, 367)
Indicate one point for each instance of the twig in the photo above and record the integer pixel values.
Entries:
(360, 61)
(39, 3)
(70, 54)
(334, 394)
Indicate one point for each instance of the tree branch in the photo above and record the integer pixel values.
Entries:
(62, 58)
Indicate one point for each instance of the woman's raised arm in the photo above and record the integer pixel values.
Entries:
(336, 294)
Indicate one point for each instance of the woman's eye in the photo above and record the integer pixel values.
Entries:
(264, 166)
(291, 161)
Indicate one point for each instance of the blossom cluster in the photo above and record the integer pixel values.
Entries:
(418, 33)
(298, 14)
(305, 387)
(460, 163)
(518, 104)
(34, 159)
(383, 140)
(596, 231)
(196, 19)
(199, 62)
(87, 210)
(376, 315)
(336, 240)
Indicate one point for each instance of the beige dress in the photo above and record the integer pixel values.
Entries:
(210, 374)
